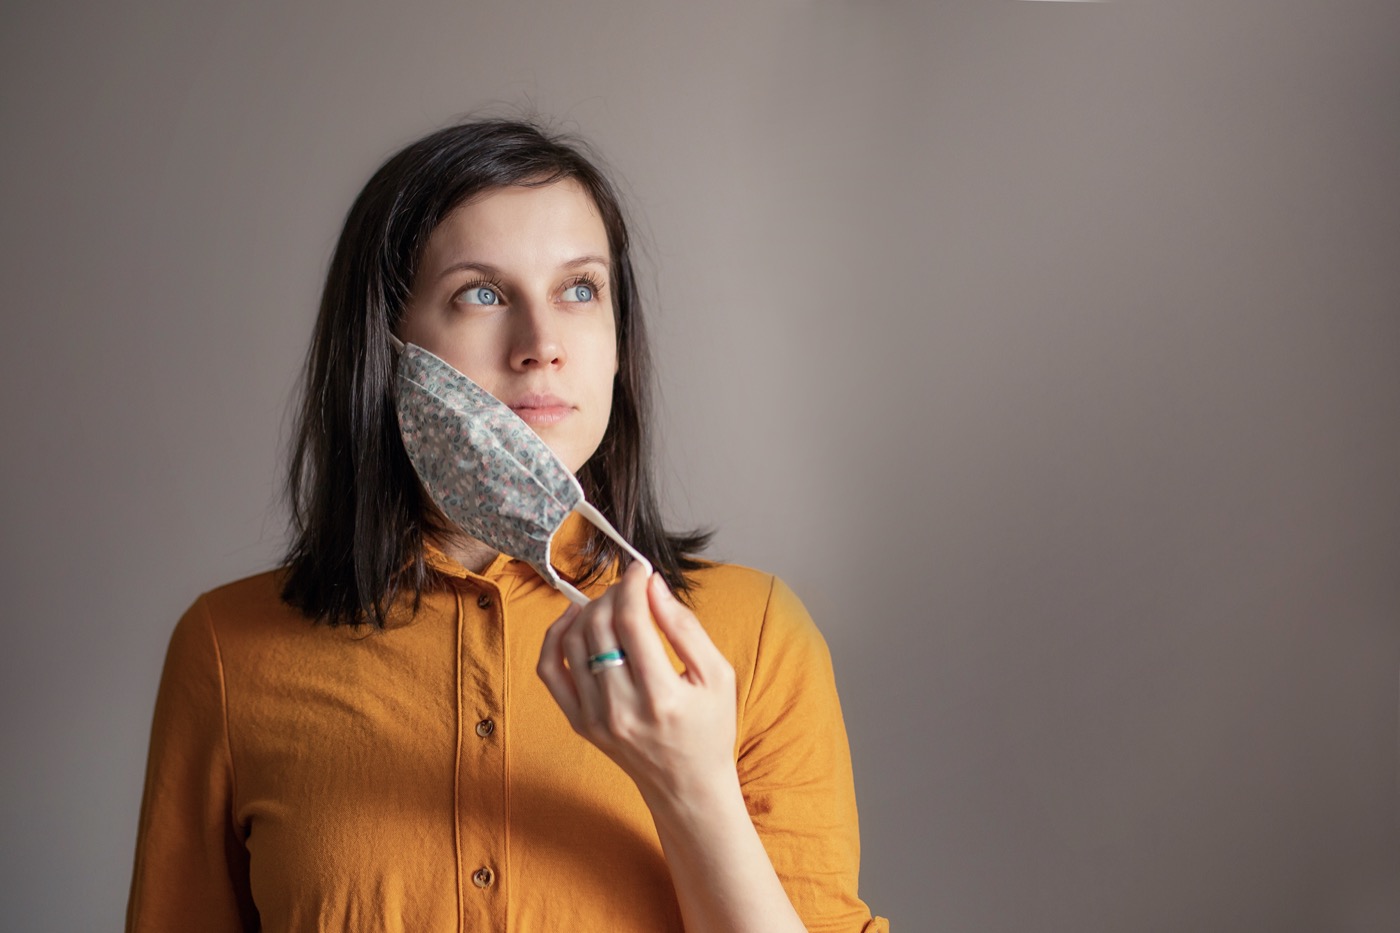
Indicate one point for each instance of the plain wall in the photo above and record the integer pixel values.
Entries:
(1051, 351)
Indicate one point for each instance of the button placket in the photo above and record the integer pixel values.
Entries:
(487, 726)
(481, 775)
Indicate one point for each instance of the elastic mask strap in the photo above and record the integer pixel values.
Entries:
(571, 591)
(602, 524)
(398, 344)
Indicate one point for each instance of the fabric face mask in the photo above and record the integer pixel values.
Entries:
(486, 469)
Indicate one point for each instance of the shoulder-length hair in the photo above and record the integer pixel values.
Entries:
(359, 515)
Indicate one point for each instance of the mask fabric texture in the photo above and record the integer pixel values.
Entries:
(485, 468)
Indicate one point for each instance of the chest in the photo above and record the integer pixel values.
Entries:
(401, 779)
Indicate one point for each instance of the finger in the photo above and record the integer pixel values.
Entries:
(592, 706)
(636, 633)
(703, 661)
(615, 684)
(553, 672)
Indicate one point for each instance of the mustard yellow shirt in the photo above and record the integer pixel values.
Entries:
(421, 778)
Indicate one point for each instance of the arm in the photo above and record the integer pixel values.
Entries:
(723, 877)
(675, 736)
(191, 868)
(794, 765)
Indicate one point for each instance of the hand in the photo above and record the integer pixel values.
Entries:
(672, 733)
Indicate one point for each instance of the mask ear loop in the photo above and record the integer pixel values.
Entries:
(571, 591)
(596, 518)
(587, 510)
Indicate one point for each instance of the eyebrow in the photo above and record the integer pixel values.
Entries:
(492, 270)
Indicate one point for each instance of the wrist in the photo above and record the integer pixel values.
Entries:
(701, 802)
(723, 876)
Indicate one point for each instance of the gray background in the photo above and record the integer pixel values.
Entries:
(1049, 350)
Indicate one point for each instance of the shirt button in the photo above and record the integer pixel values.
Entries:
(483, 877)
(485, 728)
(483, 601)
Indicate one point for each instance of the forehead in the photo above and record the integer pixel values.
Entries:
(520, 227)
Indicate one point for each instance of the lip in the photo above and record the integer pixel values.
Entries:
(541, 409)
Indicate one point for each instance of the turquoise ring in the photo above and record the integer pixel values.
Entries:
(606, 659)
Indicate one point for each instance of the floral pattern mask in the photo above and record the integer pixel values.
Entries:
(485, 468)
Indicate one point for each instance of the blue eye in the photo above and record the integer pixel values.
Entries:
(580, 292)
(480, 295)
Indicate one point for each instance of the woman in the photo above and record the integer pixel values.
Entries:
(399, 729)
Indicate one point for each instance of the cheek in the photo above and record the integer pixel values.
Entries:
(605, 381)
(602, 360)
(471, 351)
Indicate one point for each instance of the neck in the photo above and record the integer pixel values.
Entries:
(469, 552)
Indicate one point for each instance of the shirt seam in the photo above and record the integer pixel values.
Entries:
(223, 710)
(758, 654)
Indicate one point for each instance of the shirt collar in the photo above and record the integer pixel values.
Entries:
(566, 550)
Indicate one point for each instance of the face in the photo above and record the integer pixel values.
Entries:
(514, 290)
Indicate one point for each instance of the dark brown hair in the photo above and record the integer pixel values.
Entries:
(359, 515)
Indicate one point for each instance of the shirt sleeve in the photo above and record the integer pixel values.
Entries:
(191, 868)
(795, 769)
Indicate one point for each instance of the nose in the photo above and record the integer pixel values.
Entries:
(536, 341)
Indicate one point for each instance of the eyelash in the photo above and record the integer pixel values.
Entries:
(589, 279)
(584, 278)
